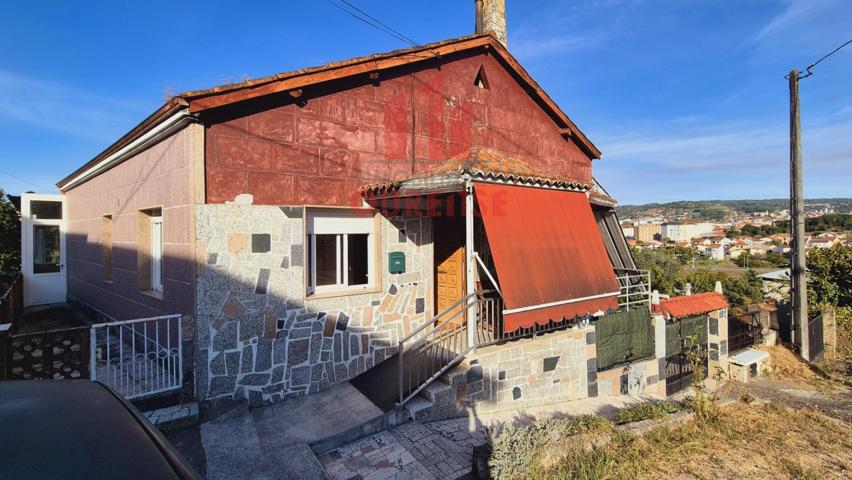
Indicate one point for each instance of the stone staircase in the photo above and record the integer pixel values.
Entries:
(443, 399)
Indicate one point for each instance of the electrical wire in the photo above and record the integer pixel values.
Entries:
(24, 180)
(808, 70)
(372, 21)
(405, 37)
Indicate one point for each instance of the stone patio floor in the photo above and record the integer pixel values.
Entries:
(443, 449)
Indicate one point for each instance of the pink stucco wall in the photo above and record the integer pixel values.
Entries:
(159, 177)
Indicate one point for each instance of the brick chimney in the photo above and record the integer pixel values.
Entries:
(491, 18)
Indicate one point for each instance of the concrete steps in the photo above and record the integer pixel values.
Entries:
(439, 400)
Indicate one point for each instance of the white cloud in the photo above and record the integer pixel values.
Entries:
(58, 107)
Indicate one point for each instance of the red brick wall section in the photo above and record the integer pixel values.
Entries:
(157, 177)
(320, 153)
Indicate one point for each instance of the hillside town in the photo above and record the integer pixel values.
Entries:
(753, 236)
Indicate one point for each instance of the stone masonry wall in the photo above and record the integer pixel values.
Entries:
(555, 366)
(260, 339)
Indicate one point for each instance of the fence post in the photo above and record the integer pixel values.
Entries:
(4, 349)
(829, 333)
(93, 345)
(399, 352)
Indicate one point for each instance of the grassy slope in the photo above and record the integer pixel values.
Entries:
(746, 441)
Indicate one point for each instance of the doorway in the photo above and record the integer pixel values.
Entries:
(43, 248)
(449, 235)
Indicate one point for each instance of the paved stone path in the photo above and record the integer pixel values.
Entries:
(444, 449)
(434, 450)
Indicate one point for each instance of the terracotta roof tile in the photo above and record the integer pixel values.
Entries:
(487, 163)
(689, 305)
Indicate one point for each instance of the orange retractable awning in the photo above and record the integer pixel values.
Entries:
(550, 259)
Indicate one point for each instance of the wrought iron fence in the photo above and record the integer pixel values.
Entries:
(138, 357)
(744, 339)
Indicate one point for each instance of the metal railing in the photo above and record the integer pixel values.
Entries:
(744, 339)
(635, 287)
(432, 351)
(139, 357)
(490, 328)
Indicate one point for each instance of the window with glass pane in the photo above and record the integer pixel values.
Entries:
(45, 248)
(45, 210)
(326, 258)
(357, 265)
(157, 253)
(340, 250)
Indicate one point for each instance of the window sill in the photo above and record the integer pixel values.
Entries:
(158, 294)
(107, 282)
(346, 292)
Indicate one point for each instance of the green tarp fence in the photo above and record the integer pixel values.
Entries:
(623, 337)
(679, 331)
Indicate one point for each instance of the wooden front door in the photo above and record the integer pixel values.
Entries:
(449, 263)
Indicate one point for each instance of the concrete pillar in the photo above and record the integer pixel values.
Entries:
(659, 323)
(717, 338)
(491, 18)
(469, 263)
(829, 333)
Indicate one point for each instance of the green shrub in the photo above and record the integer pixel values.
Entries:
(515, 447)
(647, 411)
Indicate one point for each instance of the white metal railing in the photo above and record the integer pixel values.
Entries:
(635, 287)
(431, 352)
(137, 358)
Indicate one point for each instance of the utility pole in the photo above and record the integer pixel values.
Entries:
(799, 285)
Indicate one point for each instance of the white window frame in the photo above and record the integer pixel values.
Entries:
(157, 253)
(340, 223)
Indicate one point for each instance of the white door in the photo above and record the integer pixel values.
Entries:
(43, 248)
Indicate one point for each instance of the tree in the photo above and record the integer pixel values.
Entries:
(663, 265)
(10, 236)
(830, 275)
(740, 290)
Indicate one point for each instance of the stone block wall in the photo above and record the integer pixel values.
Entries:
(261, 339)
(639, 378)
(556, 366)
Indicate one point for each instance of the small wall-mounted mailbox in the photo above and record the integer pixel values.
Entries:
(396, 262)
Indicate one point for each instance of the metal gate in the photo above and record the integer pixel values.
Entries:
(138, 357)
(816, 345)
(679, 371)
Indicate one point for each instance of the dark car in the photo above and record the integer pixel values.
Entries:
(77, 429)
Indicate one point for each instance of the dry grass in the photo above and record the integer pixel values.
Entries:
(786, 367)
(746, 441)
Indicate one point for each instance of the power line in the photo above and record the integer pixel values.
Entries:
(408, 39)
(821, 59)
(372, 21)
(40, 187)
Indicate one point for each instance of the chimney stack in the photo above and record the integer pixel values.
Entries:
(491, 18)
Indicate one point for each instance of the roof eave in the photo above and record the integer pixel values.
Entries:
(169, 108)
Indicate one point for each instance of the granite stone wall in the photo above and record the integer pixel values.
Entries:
(261, 339)
(556, 366)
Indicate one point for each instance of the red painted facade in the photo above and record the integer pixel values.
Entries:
(321, 148)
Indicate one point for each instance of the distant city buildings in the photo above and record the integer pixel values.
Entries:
(710, 239)
(680, 231)
(647, 232)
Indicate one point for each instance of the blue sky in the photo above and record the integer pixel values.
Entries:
(686, 100)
